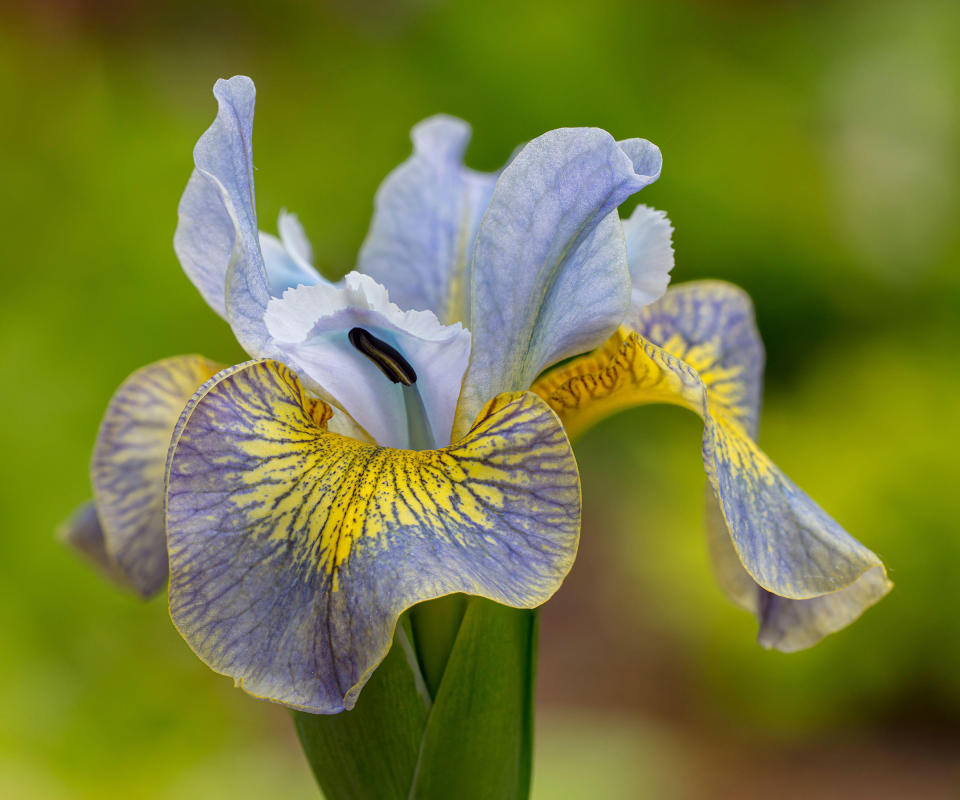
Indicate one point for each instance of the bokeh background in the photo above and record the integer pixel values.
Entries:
(811, 155)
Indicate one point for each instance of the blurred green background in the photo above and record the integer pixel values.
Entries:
(811, 155)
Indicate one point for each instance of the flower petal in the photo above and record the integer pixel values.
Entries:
(649, 237)
(128, 465)
(549, 275)
(217, 240)
(288, 260)
(294, 237)
(284, 269)
(707, 358)
(310, 326)
(785, 624)
(294, 550)
(83, 532)
(426, 215)
(203, 240)
(788, 625)
(791, 625)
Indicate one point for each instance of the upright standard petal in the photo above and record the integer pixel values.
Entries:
(217, 240)
(426, 215)
(288, 259)
(128, 461)
(649, 238)
(699, 349)
(203, 240)
(294, 237)
(310, 328)
(294, 550)
(549, 273)
(284, 270)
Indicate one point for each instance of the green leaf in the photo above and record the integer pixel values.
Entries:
(435, 627)
(473, 742)
(479, 737)
(370, 752)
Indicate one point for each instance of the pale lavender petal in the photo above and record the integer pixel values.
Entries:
(549, 274)
(217, 239)
(284, 270)
(83, 532)
(782, 537)
(426, 215)
(294, 237)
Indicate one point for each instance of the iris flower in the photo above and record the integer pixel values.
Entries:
(404, 434)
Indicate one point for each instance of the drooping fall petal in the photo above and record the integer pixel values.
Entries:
(699, 349)
(294, 550)
(128, 463)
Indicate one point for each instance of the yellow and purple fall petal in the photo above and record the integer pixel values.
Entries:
(83, 532)
(294, 550)
(698, 348)
(127, 468)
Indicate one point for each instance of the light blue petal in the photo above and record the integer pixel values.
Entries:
(294, 550)
(649, 237)
(128, 461)
(426, 215)
(284, 270)
(310, 329)
(217, 239)
(294, 237)
(698, 347)
(549, 273)
(713, 324)
(791, 625)
(204, 239)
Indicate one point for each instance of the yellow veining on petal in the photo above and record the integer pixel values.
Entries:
(294, 549)
(128, 461)
(352, 492)
(629, 370)
(760, 506)
(626, 371)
